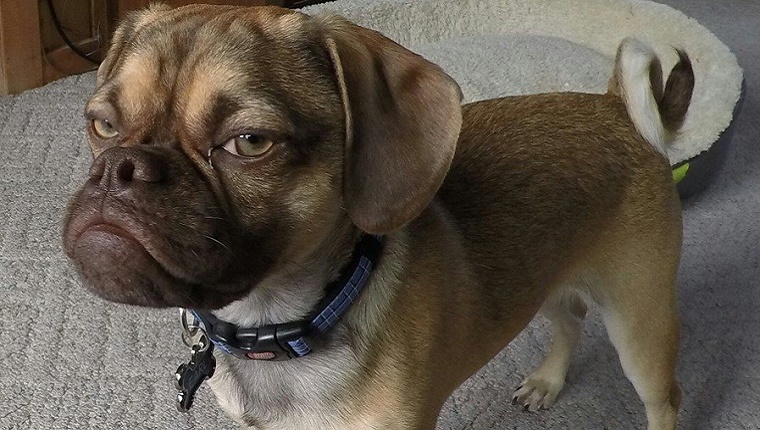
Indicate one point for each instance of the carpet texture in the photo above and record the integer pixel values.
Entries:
(72, 361)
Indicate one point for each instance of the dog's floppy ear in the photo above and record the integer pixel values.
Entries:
(403, 117)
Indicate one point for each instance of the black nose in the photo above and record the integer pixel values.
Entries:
(118, 168)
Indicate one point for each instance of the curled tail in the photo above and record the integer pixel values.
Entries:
(657, 112)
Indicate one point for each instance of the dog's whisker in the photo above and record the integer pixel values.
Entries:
(216, 217)
(211, 238)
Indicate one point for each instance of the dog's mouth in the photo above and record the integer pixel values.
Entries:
(99, 234)
(126, 258)
(103, 235)
(118, 267)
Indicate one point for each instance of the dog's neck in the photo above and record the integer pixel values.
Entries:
(292, 295)
(295, 290)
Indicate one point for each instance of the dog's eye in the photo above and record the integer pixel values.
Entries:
(248, 145)
(104, 129)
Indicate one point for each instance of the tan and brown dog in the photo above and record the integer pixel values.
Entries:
(240, 154)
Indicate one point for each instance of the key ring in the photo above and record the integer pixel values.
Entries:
(193, 335)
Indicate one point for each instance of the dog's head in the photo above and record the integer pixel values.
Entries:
(229, 140)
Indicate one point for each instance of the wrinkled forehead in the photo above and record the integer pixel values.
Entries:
(195, 60)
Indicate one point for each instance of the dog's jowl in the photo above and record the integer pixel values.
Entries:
(349, 242)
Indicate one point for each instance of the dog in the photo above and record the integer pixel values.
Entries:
(248, 161)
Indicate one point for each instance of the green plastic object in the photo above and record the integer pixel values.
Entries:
(680, 172)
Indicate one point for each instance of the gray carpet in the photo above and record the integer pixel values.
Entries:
(72, 361)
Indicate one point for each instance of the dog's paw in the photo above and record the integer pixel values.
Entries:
(537, 392)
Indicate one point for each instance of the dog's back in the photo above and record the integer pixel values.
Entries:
(556, 167)
(546, 175)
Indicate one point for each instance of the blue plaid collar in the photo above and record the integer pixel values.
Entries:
(298, 338)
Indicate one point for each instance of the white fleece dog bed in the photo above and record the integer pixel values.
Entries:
(495, 48)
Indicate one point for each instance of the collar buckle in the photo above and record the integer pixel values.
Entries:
(273, 342)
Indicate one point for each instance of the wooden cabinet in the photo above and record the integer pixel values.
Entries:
(33, 52)
(20, 46)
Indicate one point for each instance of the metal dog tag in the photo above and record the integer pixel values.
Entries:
(190, 376)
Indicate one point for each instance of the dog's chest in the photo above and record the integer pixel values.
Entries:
(296, 394)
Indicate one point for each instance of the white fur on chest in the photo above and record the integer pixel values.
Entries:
(296, 394)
